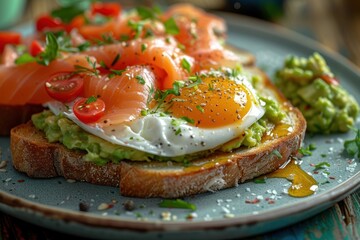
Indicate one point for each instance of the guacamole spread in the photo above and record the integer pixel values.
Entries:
(311, 86)
(58, 128)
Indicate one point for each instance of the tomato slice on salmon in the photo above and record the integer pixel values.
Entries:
(46, 22)
(107, 9)
(65, 87)
(35, 48)
(8, 37)
(89, 110)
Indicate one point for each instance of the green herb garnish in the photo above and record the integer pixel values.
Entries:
(186, 65)
(49, 54)
(259, 180)
(307, 151)
(91, 71)
(352, 147)
(177, 203)
(321, 165)
(68, 10)
(143, 47)
(91, 100)
(171, 27)
(200, 108)
(188, 120)
(148, 13)
(140, 79)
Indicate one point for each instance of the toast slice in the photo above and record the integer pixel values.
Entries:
(35, 156)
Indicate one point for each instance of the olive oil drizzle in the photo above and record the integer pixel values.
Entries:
(303, 184)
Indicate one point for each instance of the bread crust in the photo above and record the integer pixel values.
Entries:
(35, 156)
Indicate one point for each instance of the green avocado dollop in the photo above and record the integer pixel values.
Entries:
(310, 85)
(58, 128)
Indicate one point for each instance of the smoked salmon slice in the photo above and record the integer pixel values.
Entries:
(24, 84)
(162, 54)
(202, 35)
(124, 95)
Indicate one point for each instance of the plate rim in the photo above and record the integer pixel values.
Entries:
(331, 196)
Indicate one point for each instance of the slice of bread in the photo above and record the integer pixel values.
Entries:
(35, 156)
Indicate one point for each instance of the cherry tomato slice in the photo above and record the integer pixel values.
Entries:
(65, 87)
(8, 37)
(47, 22)
(106, 9)
(89, 110)
(35, 48)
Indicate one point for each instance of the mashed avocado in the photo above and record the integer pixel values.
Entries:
(60, 129)
(310, 85)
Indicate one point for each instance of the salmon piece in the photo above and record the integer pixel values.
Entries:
(203, 35)
(163, 55)
(125, 95)
(24, 84)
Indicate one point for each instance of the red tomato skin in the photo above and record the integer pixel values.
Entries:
(106, 9)
(89, 113)
(47, 22)
(64, 87)
(35, 48)
(9, 37)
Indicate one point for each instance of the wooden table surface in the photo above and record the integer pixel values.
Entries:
(335, 24)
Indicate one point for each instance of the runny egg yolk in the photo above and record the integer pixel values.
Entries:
(212, 103)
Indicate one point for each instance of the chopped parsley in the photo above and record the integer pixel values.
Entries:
(143, 47)
(160, 96)
(186, 65)
(200, 108)
(259, 180)
(322, 165)
(176, 203)
(137, 27)
(91, 99)
(307, 151)
(188, 120)
(140, 79)
(91, 71)
(171, 26)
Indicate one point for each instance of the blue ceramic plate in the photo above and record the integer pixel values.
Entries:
(54, 203)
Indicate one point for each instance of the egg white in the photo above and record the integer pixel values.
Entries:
(157, 134)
